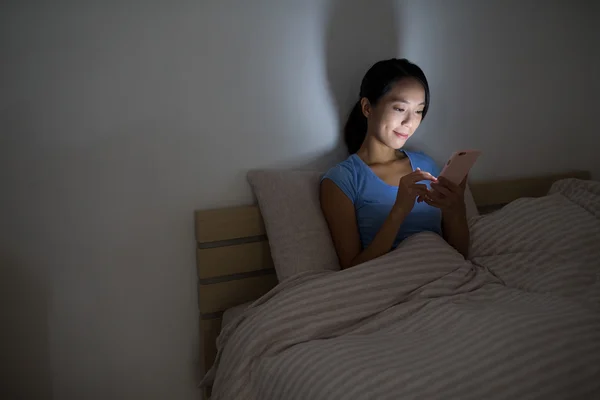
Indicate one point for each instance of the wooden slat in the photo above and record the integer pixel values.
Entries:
(503, 192)
(228, 223)
(218, 297)
(236, 259)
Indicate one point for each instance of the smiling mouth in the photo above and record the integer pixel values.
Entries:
(401, 135)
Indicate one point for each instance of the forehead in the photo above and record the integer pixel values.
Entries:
(407, 89)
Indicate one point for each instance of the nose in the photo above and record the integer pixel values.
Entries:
(408, 120)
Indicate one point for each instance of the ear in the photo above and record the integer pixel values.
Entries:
(365, 106)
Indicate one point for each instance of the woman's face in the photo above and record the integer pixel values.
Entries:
(397, 114)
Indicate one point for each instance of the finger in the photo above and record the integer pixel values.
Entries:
(420, 186)
(419, 175)
(419, 172)
(448, 184)
(438, 187)
(434, 203)
(431, 202)
(413, 177)
(438, 197)
(418, 192)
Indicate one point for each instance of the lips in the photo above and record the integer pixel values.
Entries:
(401, 135)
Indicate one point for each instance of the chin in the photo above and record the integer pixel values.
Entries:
(394, 142)
(398, 143)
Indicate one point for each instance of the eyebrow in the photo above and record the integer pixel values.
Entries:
(401, 100)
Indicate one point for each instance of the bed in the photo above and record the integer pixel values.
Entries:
(235, 267)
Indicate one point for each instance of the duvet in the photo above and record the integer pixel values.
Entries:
(519, 319)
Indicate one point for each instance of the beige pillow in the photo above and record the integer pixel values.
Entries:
(298, 233)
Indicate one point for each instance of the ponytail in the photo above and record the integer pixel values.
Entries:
(377, 82)
(355, 129)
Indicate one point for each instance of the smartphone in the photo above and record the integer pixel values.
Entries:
(459, 165)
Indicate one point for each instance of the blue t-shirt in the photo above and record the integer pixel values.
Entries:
(373, 198)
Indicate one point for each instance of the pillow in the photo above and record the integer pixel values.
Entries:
(298, 233)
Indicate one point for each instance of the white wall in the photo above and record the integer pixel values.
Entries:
(517, 79)
(118, 120)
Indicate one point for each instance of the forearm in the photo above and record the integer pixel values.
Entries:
(456, 231)
(384, 239)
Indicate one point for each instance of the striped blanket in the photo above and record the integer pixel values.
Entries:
(519, 319)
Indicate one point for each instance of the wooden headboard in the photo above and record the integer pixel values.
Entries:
(234, 262)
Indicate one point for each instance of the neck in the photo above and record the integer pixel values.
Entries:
(372, 151)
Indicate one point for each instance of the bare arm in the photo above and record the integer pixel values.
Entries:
(456, 231)
(449, 197)
(341, 218)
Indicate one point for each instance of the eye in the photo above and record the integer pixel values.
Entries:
(420, 112)
(399, 109)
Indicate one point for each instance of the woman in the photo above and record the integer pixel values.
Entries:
(381, 194)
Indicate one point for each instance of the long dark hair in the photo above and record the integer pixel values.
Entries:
(378, 80)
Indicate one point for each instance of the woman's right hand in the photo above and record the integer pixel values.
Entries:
(409, 190)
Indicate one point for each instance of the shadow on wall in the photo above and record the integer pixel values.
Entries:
(25, 355)
(359, 33)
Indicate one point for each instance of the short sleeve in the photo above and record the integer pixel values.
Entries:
(343, 177)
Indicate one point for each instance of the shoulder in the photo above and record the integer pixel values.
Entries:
(346, 169)
(345, 176)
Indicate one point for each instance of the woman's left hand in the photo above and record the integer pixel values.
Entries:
(446, 195)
